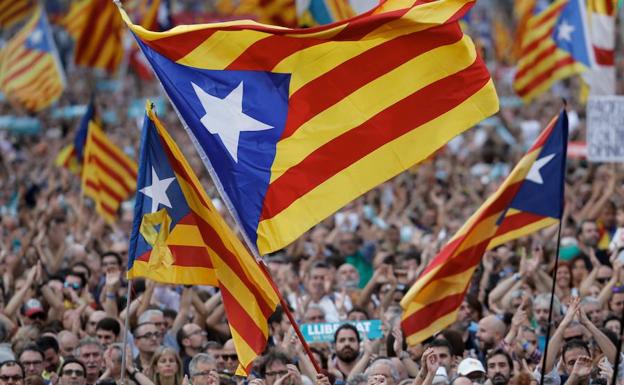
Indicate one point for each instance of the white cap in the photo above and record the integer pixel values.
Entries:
(470, 365)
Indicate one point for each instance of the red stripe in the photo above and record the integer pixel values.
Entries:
(96, 186)
(214, 241)
(110, 32)
(535, 43)
(43, 78)
(178, 46)
(544, 76)
(103, 187)
(324, 92)
(605, 57)
(265, 54)
(243, 322)
(111, 174)
(423, 318)
(23, 68)
(516, 221)
(90, 23)
(121, 161)
(527, 67)
(186, 256)
(395, 121)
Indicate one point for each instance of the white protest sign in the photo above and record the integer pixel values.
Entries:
(605, 129)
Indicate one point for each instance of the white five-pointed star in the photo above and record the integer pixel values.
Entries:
(225, 117)
(534, 173)
(36, 36)
(158, 191)
(565, 31)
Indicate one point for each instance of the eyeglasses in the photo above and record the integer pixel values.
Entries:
(603, 280)
(149, 335)
(230, 357)
(204, 373)
(14, 378)
(203, 333)
(278, 373)
(71, 372)
(74, 285)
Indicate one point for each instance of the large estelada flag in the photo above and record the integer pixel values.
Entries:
(555, 46)
(31, 73)
(295, 123)
(529, 199)
(179, 237)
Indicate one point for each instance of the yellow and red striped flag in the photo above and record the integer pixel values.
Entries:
(100, 44)
(529, 199)
(193, 244)
(108, 175)
(14, 11)
(76, 18)
(31, 73)
(295, 102)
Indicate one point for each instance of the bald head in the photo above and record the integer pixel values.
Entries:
(67, 342)
(491, 332)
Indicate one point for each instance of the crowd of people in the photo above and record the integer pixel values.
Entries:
(63, 292)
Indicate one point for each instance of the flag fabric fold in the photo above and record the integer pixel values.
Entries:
(108, 174)
(555, 46)
(529, 199)
(31, 73)
(293, 124)
(179, 237)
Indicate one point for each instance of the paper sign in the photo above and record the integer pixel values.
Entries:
(605, 129)
(324, 332)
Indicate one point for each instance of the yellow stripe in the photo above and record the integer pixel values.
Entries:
(243, 350)
(511, 235)
(373, 169)
(186, 235)
(371, 99)
(529, 59)
(217, 52)
(435, 326)
(231, 281)
(439, 289)
(182, 275)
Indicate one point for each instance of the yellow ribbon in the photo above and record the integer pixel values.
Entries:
(161, 254)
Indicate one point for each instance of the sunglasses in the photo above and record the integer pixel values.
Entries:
(149, 335)
(603, 280)
(14, 378)
(75, 285)
(230, 357)
(71, 372)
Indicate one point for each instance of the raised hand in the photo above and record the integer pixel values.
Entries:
(582, 367)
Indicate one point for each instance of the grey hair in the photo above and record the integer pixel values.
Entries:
(87, 341)
(200, 357)
(393, 370)
(147, 314)
(357, 379)
(545, 299)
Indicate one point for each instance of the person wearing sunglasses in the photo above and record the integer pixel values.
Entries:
(11, 373)
(227, 360)
(147, 339)
(73, 372)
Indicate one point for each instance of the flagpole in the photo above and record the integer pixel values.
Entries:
(124, 357)
(291, 318)
(550, 308)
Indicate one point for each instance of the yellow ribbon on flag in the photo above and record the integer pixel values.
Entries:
(161, 254)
